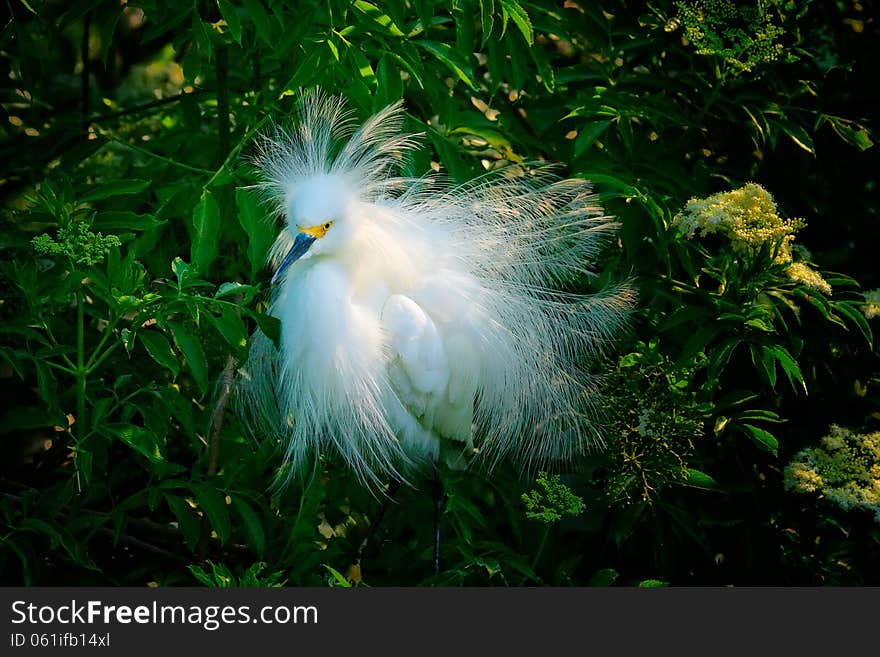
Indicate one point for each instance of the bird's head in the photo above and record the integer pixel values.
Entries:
(317, 217)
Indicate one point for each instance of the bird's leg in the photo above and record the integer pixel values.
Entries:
(439, 505)
(393, 487)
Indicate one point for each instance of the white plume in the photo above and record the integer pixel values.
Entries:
(429, 318)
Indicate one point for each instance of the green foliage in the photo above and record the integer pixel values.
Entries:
(132, 275)
(554, 501)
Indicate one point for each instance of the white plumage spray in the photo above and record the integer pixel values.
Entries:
(420, 320)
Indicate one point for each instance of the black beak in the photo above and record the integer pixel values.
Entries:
(300, 245)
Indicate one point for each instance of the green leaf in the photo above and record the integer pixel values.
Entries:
(588, 136)
(187, 521)
(305, 73)
(851, 312)
(159, 349)
(255, 11)
(697, 479)
(206, 232)
(230, 288)
(270, 326)
(253, 527)
(139, 439)
(200, 32)
(796, 133)
(513, 10)
(857, 136)
(213, 503)
(378, 17)
(487, 20)
(718, 358)
(111, 221)
(652, 584)
(115, 188)
(762, 438)
(338, 578)
(108, 19)
(230, 325)
(390, 87)
(604, 577)
(789, 366)
(191, 348)
(259, 228)
(451, 58)
(230, 15)
(764, 362)
(363, 68)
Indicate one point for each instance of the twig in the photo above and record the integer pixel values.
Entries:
(214, 444)
(143, 545)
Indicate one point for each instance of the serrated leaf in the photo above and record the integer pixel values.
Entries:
(761, 437)
(363, 68)
(259, 228)
(697, 479)
(487, 20)
(191, 349)
(380, 18)
(159, 349)
(206, 232)
(115, 188)
(111, 221)
(139, 439)
(797, 134)
(305, 73)
(855, 315)
(588, 136)
(451, 58)
(789, 366)
(514, 11)
(764, 362)
(231, 327)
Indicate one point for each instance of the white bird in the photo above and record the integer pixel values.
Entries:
(422, 321)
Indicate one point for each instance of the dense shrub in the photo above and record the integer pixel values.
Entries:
(131, 275)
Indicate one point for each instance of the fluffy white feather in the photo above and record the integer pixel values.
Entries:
(428, 316)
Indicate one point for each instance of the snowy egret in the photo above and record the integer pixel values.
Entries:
(422, 321)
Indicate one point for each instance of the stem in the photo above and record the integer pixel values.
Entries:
(148, 153)
(97, 363)
(214, 445)
(108, 331)
(234, 152)
(80, 379)
(541, 547)
(80, 363)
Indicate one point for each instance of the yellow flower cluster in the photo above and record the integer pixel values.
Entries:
(845, 469)
(749, 218)
(799, 272)
(872, 304)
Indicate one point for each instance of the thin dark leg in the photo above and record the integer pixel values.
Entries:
(439, 505)
(393, 487)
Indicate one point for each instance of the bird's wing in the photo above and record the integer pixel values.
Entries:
(429, 370)
(418, 367)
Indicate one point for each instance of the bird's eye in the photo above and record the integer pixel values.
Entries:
(327, 225)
